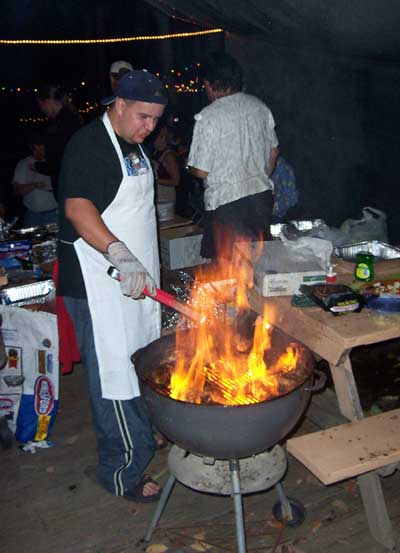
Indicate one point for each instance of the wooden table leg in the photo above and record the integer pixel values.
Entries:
(369, 483)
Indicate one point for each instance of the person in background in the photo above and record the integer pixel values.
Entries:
(117, 70)
(35, 188)
(64, 120)
(234, 150)
(165, 164)
(107, 218)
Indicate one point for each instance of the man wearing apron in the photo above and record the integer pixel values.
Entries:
(108, 218)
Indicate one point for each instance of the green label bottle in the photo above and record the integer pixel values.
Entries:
(364, 266)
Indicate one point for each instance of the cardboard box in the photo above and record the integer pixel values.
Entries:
(180, 247)
(272, 280)
(286, 284)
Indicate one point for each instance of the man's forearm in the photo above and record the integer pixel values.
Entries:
(88, 223)
(272, 160)
(23, 189)
(197, 173)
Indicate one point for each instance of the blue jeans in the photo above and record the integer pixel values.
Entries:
(40, 218)
(125, 443)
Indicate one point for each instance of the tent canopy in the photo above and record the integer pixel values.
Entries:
(358, 27)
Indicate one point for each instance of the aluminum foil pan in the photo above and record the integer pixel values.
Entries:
(302, 226)
(379, 249)
(27, 230)
(35, 292)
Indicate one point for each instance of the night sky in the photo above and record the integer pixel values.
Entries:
(30, 67)
(74, 19)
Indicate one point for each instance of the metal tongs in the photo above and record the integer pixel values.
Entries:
(166, 299)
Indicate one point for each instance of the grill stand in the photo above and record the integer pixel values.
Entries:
(249, 475)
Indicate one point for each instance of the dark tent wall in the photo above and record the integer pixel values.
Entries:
(330, 72)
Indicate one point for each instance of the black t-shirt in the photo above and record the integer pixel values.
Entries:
(90, 170)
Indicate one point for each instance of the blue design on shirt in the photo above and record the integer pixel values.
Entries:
(136, 165)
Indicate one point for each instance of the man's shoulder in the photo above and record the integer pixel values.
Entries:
(25, 162)
(23, 165)
(253, 101)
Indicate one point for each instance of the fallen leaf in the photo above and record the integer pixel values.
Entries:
(350, 486)
(198, 546)
(341, 506)
(273, 523)
(288, 548)
(316, 526)
(200, 536)
(72, 439)
(157, 548)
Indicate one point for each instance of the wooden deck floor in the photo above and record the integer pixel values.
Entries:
(47, 505)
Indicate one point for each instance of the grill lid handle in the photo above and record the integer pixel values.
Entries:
(319, 383)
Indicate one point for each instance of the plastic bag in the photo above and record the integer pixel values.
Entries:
(308, 250)
(372, 226)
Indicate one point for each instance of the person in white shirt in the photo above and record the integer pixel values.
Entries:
(234, 150)
(35, 188)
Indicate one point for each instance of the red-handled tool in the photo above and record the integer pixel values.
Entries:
(166, 299)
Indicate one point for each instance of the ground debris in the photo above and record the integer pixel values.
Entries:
(157, 548)
(315, 526)
(340, 506)
(289, 548)
(350, 486)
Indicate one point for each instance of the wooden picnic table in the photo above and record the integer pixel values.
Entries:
(333, 338)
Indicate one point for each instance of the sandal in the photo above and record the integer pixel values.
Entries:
(137, 493)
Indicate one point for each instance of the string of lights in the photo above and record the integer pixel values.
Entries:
(42, 42)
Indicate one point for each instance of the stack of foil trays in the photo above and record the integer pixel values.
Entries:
(379, 250)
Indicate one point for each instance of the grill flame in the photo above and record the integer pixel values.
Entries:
(227, 367)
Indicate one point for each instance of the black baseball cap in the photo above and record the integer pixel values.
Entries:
(140, 85)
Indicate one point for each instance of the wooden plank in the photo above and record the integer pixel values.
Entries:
(350, 449)
(346, 389)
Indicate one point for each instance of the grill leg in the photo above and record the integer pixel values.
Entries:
(285, 504)
(159, 509)
(234, 467)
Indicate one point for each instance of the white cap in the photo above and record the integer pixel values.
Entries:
(116, 66)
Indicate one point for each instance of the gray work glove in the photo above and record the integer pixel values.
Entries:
(133, 276)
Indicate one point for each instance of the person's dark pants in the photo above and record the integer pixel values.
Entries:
(40, 218)
(247, 218)
(125, 442)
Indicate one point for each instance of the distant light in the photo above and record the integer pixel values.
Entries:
(83, 83)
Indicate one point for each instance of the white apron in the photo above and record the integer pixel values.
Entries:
(121, 325)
